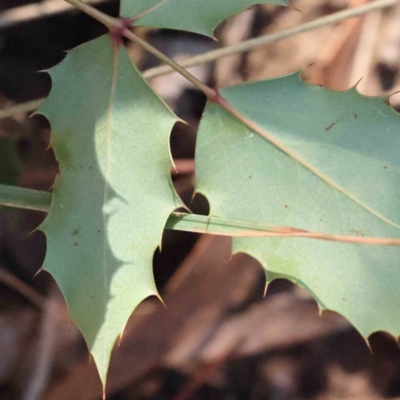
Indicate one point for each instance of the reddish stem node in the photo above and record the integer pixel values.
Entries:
(214, 96)
(118, 29)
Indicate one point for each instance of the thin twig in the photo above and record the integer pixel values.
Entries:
(225, 227)
(30, 12)
(237, 48)
(272, 37)
(22, 288)
(117, 26)
(37, 200)
(114, 25)
(105, 19)
(209, 92)
(214, 96)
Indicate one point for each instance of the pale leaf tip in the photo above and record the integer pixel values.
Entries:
(37, 272)
(366, 341)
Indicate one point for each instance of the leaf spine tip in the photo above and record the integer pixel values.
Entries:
(366, 341)
(265, 289)
(37, 273)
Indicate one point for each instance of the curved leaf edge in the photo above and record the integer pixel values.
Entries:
(42, 227)
(384, 98)
(271, 276)
(205, 32)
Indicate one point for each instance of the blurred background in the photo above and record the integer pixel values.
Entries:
(218, 337)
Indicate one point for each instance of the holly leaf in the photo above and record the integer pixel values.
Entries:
(114, 192)
(334, 168)
(198, 16)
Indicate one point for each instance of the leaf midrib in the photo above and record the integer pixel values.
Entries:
(300, 160)
(106, 187)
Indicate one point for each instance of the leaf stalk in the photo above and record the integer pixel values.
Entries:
(208, 91)
(105, 19)
(114, 25)
(272, 37)
(41, 201)
(11, 196)
(236, 48)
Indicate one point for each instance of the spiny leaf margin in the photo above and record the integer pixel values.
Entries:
(189, 15)
(351, 138)
(110, 134)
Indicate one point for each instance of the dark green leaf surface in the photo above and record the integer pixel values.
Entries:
(354, 142)
(199, 16)
(114, 193)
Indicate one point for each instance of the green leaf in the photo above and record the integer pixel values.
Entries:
(199, 16)
(114, 193)
(343, 177)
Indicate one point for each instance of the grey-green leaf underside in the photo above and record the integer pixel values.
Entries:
(199, 16)
(353, 140)
(110, 134)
